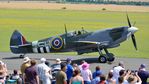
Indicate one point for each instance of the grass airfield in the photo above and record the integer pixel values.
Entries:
(37, 24)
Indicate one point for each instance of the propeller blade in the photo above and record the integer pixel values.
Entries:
(134, 23)
(128, 21)
(134, 41)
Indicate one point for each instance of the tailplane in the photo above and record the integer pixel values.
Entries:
(18, 43)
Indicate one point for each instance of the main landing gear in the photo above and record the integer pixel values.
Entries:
(103, 58)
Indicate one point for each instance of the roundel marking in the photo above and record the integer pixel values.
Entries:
(57, 43)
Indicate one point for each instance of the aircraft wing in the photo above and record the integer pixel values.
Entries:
(103, 43)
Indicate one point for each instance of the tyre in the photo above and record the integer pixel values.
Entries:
(102, 59)
(111, 57)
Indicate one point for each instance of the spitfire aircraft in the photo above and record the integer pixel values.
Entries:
(79, 41)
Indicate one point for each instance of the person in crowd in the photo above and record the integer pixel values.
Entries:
(61, 77)
(75, 66)
(122, 73)
(97, 78)
(143, 74)
(120, 80)
(117, 69)
(69, 71)
(123, 76)
(44, 72)
(55, 68)
(102, 80)
(110, 79)
(86, 73)
(80, 66)
(26, 63)
(134, 78)
(31, 76)
(3, 72)
(16, 76)
(77, 79)
(98, 69)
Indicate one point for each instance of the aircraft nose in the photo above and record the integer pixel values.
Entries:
(133, 29)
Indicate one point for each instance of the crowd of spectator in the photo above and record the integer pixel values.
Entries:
(68, 73)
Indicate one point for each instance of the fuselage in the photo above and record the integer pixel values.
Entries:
(70, 41)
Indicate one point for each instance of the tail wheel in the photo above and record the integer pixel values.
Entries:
(111, 57)
(22, 56)
(102, 59)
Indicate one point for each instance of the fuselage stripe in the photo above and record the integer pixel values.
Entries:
(47, 49)
(35, 50)
(44, 49)
(41, 49)
(38, 50)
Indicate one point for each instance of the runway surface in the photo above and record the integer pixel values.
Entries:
(13, 61)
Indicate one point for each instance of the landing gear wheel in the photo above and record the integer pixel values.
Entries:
(111, 57)
(102, 59)
(21, 56)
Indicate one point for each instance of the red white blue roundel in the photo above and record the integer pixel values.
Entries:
(57, 43)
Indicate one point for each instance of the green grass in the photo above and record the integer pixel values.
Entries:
(38, 24)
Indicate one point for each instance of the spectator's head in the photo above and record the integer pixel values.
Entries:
(63, 66)
(120, 79)
(1, 63)
(142, 66)
(76, 72)
(122, 72)
(58, 61)
(121, 63)
(15, 72)
(26, 59)
(33, 62)
(130, 79)
(102, 78)
(42, 60)
(68, 60)
(75, 66)
(85, 66)
(97, 68)
(110, 75)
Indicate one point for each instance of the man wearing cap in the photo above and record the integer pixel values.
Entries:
(44, 72)
(55, 68)
(69, 70)
(143, 74)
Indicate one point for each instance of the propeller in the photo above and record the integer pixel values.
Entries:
(132, 34)
(134, 41)
(128, 21)
(134, 23)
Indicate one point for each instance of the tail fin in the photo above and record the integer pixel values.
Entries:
(17, 41)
